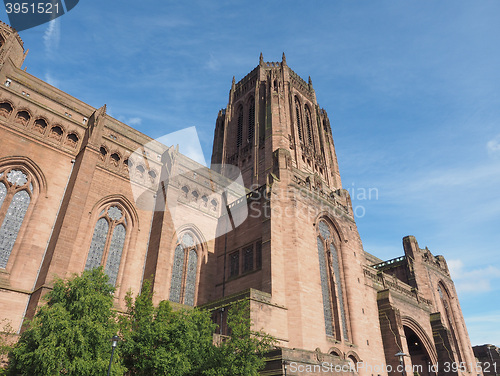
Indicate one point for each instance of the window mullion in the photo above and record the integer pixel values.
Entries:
(107, 243)
(184, 274)
(6, 203)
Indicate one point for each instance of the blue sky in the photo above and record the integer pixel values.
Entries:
(412, 89)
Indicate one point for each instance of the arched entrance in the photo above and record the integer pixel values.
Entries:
(420, 358)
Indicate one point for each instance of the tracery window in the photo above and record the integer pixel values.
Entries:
(331, 282)
(16, 191)
(108, 240)
(185, 270)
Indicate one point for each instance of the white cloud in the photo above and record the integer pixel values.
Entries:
(473, 280)
(134, 121)
(212, 63)
(493, 146)
(52, 36)
(51, 80)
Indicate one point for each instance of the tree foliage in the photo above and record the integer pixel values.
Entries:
(71, 334)
(242, 353)
(160, 341)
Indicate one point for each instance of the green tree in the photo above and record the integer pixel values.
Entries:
(161, 341)
(71, 334)
(242, 353)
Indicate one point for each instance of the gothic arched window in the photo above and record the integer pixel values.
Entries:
(108, 240)
(309, 126)
(16, 190)
(184, 271)
(299, 119)
(251, 120)
(331, 282)
(239, 133)
(449, 317)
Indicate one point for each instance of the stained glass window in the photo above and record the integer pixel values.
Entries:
(3, 193)
(325, 290)
(114, 213)
(97, 244)
(184, 271)
(191, 277)
(16, 177)
(15, 198)
(12, 224)
(108, 241)
(331, 282)
(187, 240)
(115, 253)
(324, 230)
(177, 271)
(336, 271)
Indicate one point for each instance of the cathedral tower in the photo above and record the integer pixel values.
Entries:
(271, 109)
(298, 254)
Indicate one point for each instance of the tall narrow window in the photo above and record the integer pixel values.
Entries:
(251, 120)
(16, 191)
(185, 271)
(108, 240)
(234, 266)
(239, 134)
(331, 282)
(309, 126)
(248, 259)
(449, 317)
(297, 114)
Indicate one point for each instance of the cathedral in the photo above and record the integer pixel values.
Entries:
(269, 223)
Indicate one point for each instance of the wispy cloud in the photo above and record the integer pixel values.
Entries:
(52, 36)
(474, 280)
(132, 121)
(51, 80)
(493, 146)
